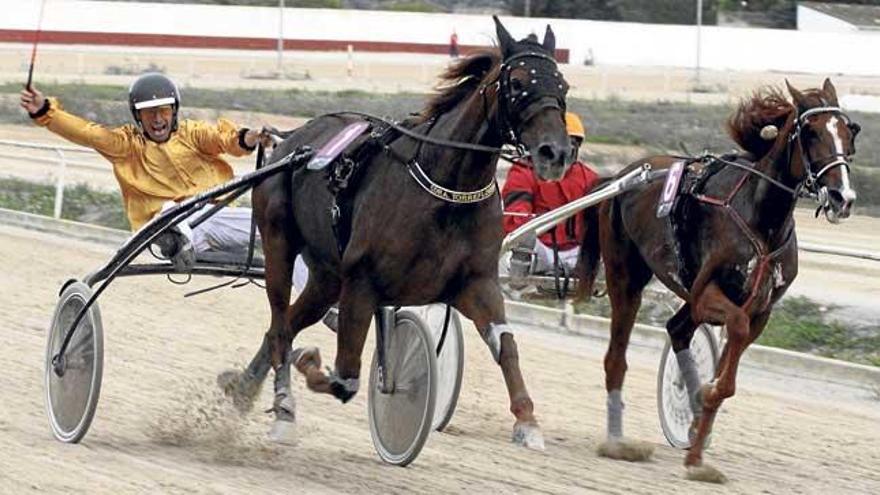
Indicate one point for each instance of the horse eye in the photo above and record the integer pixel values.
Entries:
(516, 85)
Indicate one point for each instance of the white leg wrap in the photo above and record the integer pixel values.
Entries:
(615, 414)
(688, 369)
(492, 337)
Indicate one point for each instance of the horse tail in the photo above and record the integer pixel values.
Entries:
(588, 259)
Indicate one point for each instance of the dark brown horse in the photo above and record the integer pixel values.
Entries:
(405, 245)
(728, 249)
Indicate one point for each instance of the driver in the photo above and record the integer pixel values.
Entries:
(526, 196)
(160, 160)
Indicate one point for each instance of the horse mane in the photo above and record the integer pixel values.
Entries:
(461, 79)
(766, 106)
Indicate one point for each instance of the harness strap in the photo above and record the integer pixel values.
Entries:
(760, 247)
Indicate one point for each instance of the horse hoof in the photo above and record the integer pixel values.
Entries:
(706, 474)
(242, 393)
(626, 450)
(529, 436)
(303, 358)
(283, 432)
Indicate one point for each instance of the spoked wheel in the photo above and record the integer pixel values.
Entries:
(401, 415)
(73, 387)
(450, 361)
(673, 402)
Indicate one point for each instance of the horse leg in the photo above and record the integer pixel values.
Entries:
(681, 329)
(712, 305)
(309, 307)
(626, 275)
(482, 302)
(356, 308)
(279, 251)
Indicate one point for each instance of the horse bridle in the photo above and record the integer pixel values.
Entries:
(543, 89)
(837, 159)
(810, 181)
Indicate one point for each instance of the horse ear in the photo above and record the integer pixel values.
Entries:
(829, 90)
(550, 40)
(505, 40)
(796, 95)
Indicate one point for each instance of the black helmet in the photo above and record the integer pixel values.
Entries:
(153, 90)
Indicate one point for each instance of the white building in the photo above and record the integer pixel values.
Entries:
(838, 17)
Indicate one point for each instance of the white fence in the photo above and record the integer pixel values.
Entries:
(606, 43)
(60, 160)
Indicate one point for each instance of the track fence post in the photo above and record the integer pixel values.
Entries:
(59, 183)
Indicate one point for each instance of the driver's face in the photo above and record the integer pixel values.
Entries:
(156, 122)
(575, 148)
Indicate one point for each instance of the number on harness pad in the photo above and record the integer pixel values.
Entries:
(670, 189)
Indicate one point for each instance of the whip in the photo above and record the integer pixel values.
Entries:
(34, 49)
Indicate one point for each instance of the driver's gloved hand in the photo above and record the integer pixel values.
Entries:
(521, 257)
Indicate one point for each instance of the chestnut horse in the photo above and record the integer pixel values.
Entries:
(728, 249)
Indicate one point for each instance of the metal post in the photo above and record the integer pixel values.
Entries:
(699, 29)
(59, 184)
(280, 38)
(528, 9)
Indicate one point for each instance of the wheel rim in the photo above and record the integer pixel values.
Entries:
(674, 407)
(400, 420)
(71, 398)
(450, 362)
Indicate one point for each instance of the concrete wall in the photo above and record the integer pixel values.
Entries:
(812, 20)
(77, 21)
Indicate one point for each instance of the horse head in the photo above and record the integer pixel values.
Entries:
(531, 100)
(826, 140)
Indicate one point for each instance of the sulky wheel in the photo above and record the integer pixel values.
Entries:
(450, 360)
(401, 414)
(673, 402)
(73, 384)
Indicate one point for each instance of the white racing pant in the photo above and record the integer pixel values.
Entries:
(228, 233)
(542, 262)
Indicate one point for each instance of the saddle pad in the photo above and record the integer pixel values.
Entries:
(670, 189)
(337, 145)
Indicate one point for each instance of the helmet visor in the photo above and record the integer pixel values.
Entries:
(158, 102)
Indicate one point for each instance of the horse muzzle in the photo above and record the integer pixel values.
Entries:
(836, 203)
(551, 160)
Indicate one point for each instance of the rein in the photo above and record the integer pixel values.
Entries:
(510, 154)
(546, 92)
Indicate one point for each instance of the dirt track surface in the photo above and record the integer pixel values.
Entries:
(158, 428)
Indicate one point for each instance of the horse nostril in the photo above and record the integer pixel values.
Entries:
(835, 197)
(548, 152)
